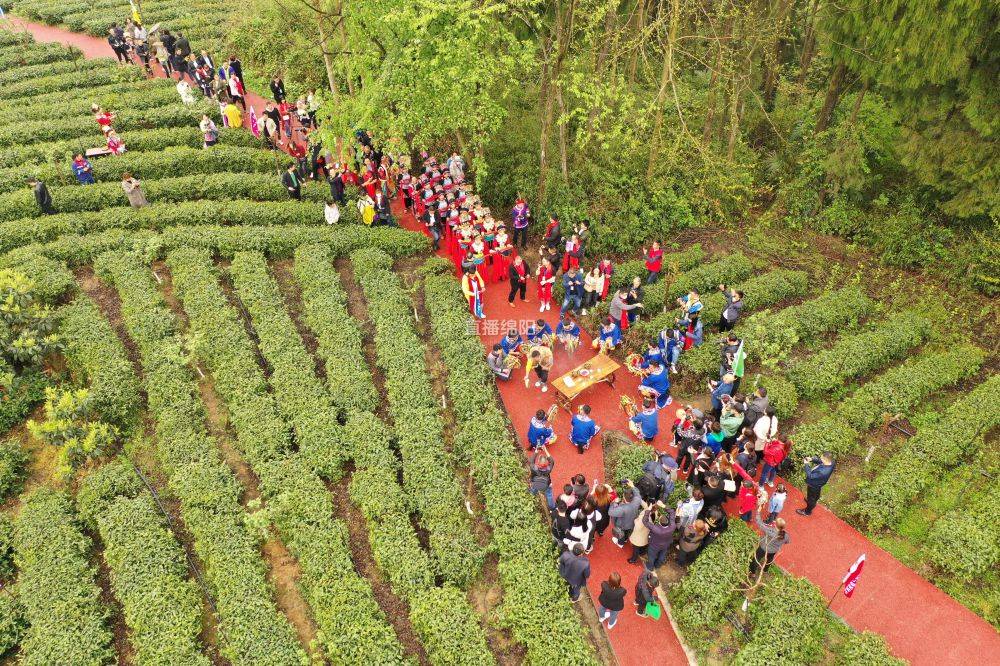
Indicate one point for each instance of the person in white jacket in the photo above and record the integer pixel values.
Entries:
(765, 429)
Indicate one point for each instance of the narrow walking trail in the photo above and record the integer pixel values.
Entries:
(921, 623)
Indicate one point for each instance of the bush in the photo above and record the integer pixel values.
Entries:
(52, 280)
(28, 393)
(626, 461)
(99, 72)
(13, 624)
(882, 500)
(789, 624)
(449, 629)
(427, 474)
(253, 629)
(96, 355)
(966, 541)
(149, 576)
(67, 621)
(867, 649)
(534, 594)
(781, 395)
(7, 569)
(324, 304)
(730, 269)
(859, 354)
(13, 468)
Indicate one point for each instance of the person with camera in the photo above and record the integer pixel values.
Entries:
(734, 306)
(818, 472)
(660, 523)
(574, 567)
(624, 512)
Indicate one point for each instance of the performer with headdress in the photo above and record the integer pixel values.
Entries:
(473, 288)
(644, 424)
(539, 333)
(568, 332)
(501, 253)
(511, 342)
(610, 335)
(546, 276)
(656, 384)
(540, 431)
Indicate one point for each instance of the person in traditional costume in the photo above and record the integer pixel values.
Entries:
(478, 249)
(645, 424)
(539, 333)
(546, 277)
(573, 254)
(607, 269)
(501, 253)
(473, 288)
(670, 342)
(654, 262)
(511, 342)
(540, 431)
(568, 333)
(653, 353)
(114, 142)
(520, 218)
(610, 335)
(656, 384)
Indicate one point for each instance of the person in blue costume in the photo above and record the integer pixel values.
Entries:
(653, 353)
(656, 384)
(511, 342)
(610, 335)
(540, 431)
(645, 423)
(584, 429)
(540, 332)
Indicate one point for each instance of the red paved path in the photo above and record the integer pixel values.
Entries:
(921, 623)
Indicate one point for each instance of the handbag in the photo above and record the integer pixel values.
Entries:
(653, 610)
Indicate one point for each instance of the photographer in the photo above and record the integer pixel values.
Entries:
(818, 473)
(734, 306)
(624, 512)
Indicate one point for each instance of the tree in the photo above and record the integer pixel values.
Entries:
(68, 426)
(27, 335)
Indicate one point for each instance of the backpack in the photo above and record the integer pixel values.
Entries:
(649, 487)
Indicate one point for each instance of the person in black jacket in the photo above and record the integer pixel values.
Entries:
(117, 44)
(290, 179)
(169, 41)
(42, 196)
(518, 272)
(179, 65)
(182, 45)
(337, 185)
(818, 473)
(645, 591)
(574, 567)
(278, 89)
(272, 112)
(611, 602)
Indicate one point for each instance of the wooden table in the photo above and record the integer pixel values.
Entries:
(602, 369)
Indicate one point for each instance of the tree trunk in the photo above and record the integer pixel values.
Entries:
(327, 60)
(666, 79)
(857, 102)
(735, 113)
(640, 25)
(545, 99)
(706, 135)
(832, 97)
(808, 44)
(563, 121)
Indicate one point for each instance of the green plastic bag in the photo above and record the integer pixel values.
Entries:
(653, 610)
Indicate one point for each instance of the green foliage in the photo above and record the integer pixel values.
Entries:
(966, 541)
(13, 468)
(867, 649)
(896, 391)
(534, 594)
(448, 628)
(253, 630)
(26, 330)
(781, 394)
(161, 605)
(710, 586)
(99, 72)
(166, 162)
(16, 407)
(324, 303)
(730, 269)
(626, 460)
(12, 622)
(7, 569)
(789, 624)
(69, 426)
(882, 500)
(98, 358)
(51, 278)
(427, 474)
(859, 354)
(56, 585)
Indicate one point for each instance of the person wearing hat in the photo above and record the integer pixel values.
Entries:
(520, 218)
(568, 332)
(42, 196)
(818, 473)
(540, 483)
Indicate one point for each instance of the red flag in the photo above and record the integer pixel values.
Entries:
(853, 574)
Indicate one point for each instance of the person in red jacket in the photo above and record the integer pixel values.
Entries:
(654, 262)
(775, 452)
(747, 500)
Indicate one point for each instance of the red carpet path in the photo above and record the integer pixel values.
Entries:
(921, 623)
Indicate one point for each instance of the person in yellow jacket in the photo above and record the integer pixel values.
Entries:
(540, 360)
(473, 288)
(233, 115)
(367, 209)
